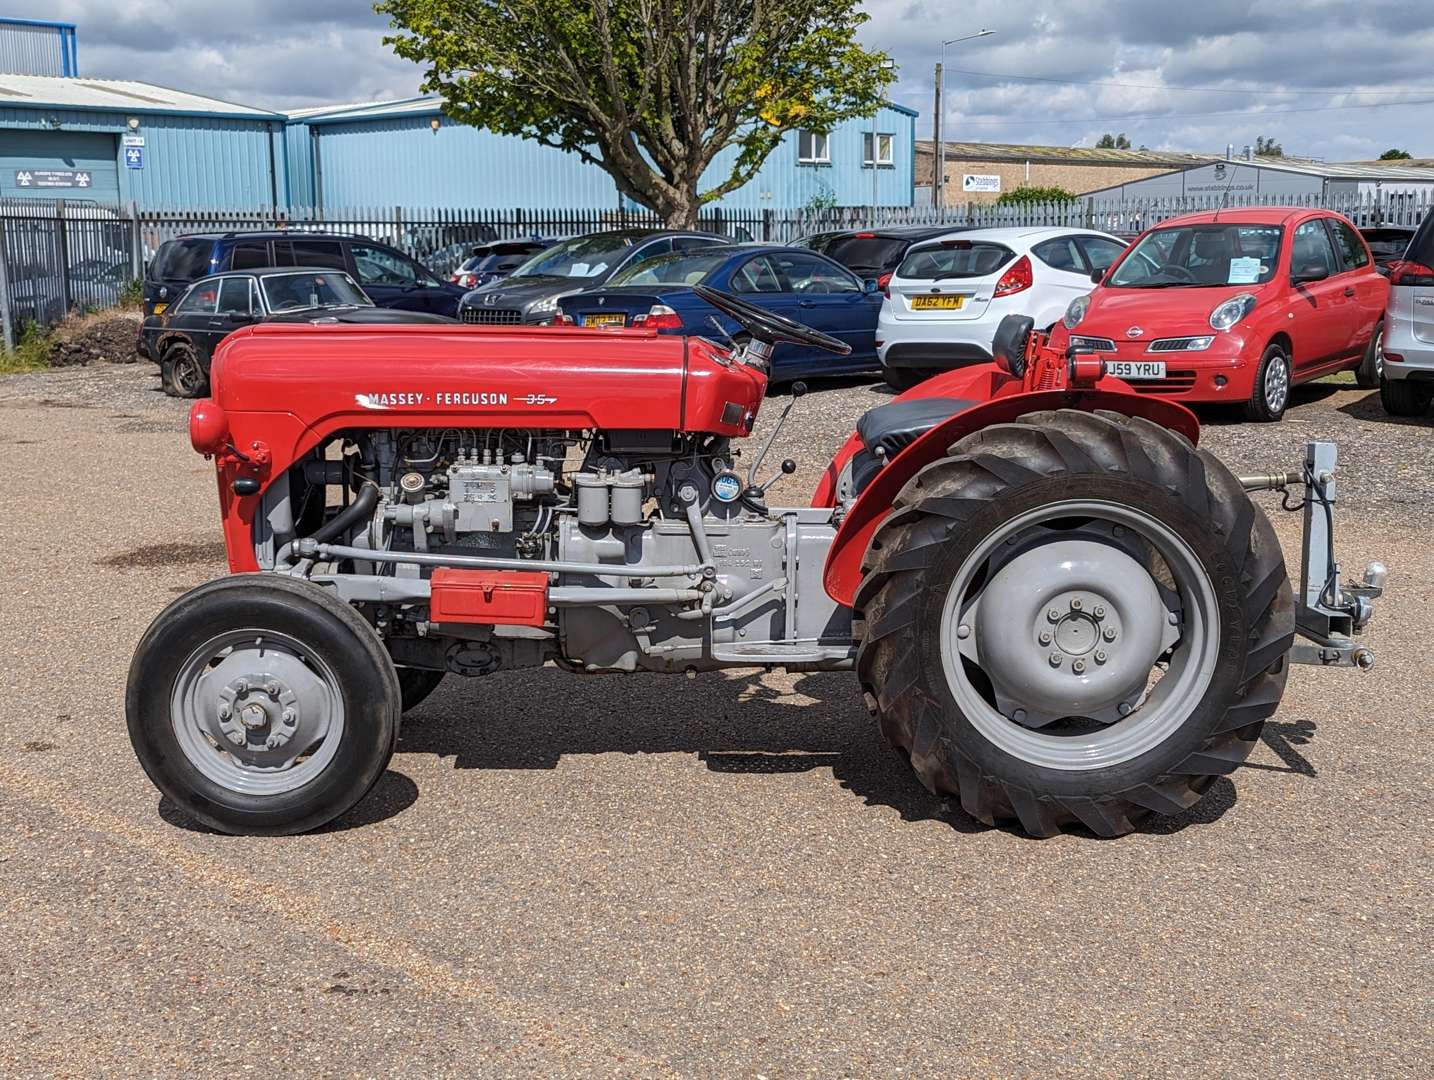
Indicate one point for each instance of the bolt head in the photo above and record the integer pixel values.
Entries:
(1053, 615)
(1123, 708)
(236, 737)
(1019, 716)
(1100, 656)
(1109, 634)
(1098, 611)
(225, 711)
(963, 631)
(1174, 619)
(1078, 666)
(1045, 637)
(271, 742)
(289, 716)
(241, 687)
(1057, 659)
(272, 689)
(1075, 603)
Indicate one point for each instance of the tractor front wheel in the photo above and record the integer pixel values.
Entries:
(262, 705)
(1077, 618)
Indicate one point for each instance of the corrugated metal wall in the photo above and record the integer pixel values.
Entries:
(36, 48)
(190, 162)
(401, 161)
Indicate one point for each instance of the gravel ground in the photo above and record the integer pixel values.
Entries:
(644, 876)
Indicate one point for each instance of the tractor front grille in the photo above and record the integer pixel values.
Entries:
(1175, 382)
(485, 316)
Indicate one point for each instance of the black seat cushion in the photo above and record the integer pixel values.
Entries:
(892, 428)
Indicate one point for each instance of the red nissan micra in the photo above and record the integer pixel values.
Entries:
(1236, 306)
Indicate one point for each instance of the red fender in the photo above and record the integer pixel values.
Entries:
(842, 573)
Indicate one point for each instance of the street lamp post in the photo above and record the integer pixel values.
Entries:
(938, 181)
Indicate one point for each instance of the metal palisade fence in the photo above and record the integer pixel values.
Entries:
(61, 256)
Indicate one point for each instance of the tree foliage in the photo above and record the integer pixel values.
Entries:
(1112, 142)
(1395, 154)
(650, 91)
(1027, 193)
(1268, 147)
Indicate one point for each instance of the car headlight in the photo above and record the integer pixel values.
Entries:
(1076, 312)
(1231, 311)
(545, 306)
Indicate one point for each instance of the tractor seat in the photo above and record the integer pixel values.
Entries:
(890, 429)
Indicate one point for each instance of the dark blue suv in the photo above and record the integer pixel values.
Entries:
(390, 278)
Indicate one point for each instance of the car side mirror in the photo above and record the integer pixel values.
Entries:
(1311, 272)
(871, 285)
(1097, 276)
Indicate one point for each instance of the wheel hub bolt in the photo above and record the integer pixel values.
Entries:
(289, 716)
(1109, 634)
(1078, 666)
(1174, 619)
(225, 711)
(1045, 637)
(963, 631)
(1056, 659)
(271, 742)
(254, 716)
(241, 687)
(272, 689)
(1099, 611)
(1075, 603)
(1053, 615)
(1100, 656)
(1019, 716)
(1123, 708)
(236, 737)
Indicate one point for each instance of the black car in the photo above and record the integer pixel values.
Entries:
(491, 262)
(183, 337)
(1387, 243)
(873, 253)
(390, 277)
(530, 294)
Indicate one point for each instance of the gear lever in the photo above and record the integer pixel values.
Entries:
(753, 491)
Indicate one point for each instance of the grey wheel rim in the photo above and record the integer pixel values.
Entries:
(187, 375)
(1277, 383)
(1379, 354)
(1027, 594)
(256, 712)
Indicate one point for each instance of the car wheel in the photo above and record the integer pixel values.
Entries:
(900, 379)
(181, 373)
(1404, 397)
(1271, 395)
(1368, 374)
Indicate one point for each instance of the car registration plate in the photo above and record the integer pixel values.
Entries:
(937, 303)
(1136, 369)
(617, 319)
(159, 308)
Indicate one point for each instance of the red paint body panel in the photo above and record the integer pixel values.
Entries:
(489, 597)
(1329, 323)
(283, 389)
(1008, 401)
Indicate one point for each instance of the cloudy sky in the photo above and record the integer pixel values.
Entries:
(1324, 77)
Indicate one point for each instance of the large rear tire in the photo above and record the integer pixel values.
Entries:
(262, 705)
(1133, 639)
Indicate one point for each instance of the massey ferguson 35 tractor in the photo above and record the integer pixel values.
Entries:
(1063, 611)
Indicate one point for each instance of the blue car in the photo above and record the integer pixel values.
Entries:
(802, 285)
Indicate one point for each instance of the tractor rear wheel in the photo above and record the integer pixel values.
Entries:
(1074, 619)
(262, 705)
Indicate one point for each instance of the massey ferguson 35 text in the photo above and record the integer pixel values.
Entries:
(1063, 611)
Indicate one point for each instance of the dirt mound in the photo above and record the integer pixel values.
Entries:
(108, 337)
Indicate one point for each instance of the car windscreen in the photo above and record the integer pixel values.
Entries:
(862, 251)
(182, 260)
(1185, 256)
(954, 259)
(686, 269)
(299, 292)
(581, 257)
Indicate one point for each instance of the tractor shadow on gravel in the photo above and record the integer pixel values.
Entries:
(743, 722)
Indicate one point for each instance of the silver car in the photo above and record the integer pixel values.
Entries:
(1406, 382)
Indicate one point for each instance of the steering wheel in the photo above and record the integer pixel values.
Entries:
(1178, 272)
(767, 326)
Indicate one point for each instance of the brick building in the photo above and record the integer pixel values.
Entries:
(980, 172)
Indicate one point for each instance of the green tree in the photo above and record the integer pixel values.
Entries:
(1028, 194)
(650, 91)
(1112, 142)
(1267, 147)
(1394, 154)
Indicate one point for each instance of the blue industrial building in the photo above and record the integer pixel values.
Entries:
(408, 153)
(63, 136)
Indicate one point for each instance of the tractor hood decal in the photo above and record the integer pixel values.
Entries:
(417, 399)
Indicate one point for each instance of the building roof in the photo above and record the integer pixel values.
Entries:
(114, 95)
(1065, 155)
(429, 104)
(1346, 170)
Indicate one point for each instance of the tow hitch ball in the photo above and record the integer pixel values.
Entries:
(1328, 612)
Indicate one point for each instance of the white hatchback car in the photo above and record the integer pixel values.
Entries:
(946, 298)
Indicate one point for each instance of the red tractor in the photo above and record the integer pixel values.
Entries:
(1063, 611)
